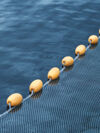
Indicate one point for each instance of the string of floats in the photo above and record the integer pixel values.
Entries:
(16, 99)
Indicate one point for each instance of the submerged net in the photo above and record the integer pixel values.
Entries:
(70, 104)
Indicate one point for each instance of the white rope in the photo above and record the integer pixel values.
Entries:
(62, 69)
(88, 46)
(28, 97)
(46, 83)
(76, 57)
(6, 112)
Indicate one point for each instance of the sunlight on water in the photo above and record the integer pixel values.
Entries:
(45, 2)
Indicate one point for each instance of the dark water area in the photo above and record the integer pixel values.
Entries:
(36, 35)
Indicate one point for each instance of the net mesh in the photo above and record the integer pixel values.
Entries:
(70, 104)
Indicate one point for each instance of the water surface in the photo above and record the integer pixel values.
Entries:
(36, 35)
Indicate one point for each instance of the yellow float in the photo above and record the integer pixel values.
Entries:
(93, 39)
(53, 73)
(67, 61)
(15, 99)
(36, 86)
(81, 49)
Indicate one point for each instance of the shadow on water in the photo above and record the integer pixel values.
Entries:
(54, 82)
(81, 56)
(68, 68)
(17, 108)
(37, 95)
(93, 46)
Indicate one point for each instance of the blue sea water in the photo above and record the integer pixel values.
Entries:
(35, 35)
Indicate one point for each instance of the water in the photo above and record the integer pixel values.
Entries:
(36, 35)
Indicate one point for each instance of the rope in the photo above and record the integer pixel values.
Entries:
(88, 46)
(6, 112)
(28, 97)
(62, 69)
(76, 57)
(45, 84)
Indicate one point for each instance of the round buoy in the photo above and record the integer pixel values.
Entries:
(15, 99)
(81, 49)
(93, 39)
(53, 73)
(36, 86)
(67, 61)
